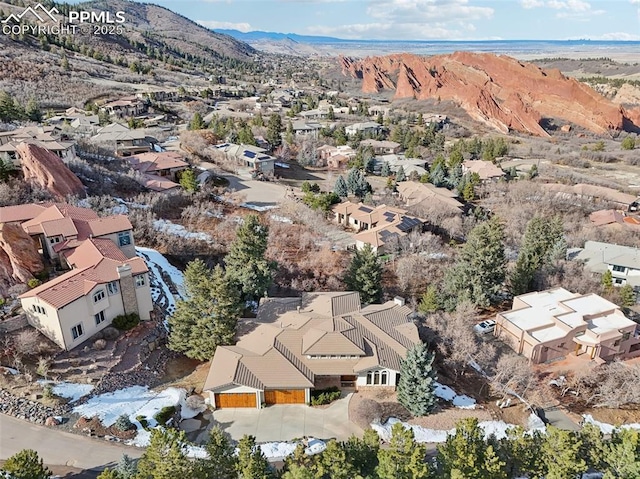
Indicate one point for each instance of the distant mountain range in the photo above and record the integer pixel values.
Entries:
(274, 36)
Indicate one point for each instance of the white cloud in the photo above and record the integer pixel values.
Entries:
(613, 36)
(571, 5)
(412, 20)
(634, 1)
(212, 24)
(531, 3)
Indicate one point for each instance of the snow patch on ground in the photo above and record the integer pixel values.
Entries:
(460, 401)
(607, 428)
(276, 450)
(281, 219)
(251, 206)
(158, 263)
(173, 229)
(11, 371)
(70, 391)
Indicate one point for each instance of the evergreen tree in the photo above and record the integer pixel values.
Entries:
(416, 389)
(621, 455)
(331, 115)
(479, 271)
(607, 280)
(26, 464)
(298, 472)
(222, 462)
(340, 188)
(334, 463)
(385, 170)
(126, 468)
(365, 275)
(165, 457)
(363, 453)
(522, 448)
(32, 110)
(627, 296)
(252, 464)
(533, 172)
(208, 317)
(465, 454)
(188, 181)
(7, 170)
(540, 237)
(629, 143)
(9, 109)
(400, 175)
(430, 301)
(404, 458)
(247, 266)
(438, 175)
(108, 474)
(197, 123)
(561, 454)
(357, 184)
(274, 130)
(245, 136)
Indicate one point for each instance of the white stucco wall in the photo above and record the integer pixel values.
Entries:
(391, 375)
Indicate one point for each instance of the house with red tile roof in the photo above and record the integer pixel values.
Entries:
(106, 278)
(159, 171)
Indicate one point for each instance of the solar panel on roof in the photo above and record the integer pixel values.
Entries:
(249, 154)
(365, 209)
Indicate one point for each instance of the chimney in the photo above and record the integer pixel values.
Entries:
(399, 300)
(127, 289)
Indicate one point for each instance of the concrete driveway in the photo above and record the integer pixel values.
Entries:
(287, 422)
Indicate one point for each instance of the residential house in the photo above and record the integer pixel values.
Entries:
(614, 217)
(414, 193)
(296, 345)
(409, 165)
(594, 193)
(486, 170)
(48, 137)
(125, 107)
(622, 261)
(106, 278)
(122, 140)
(381, 226)
(336, 157)
(364, 128)
(376, 110)
(315, 114)
(382, 147)
(304, 128)
(249, 156)
(159, 171)
(552, 324)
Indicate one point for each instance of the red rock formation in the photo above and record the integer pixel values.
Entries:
(45, 169)
(19, 257)
(497, 90)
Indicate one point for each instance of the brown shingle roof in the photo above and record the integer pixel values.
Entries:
(20, 213)
(156, 161)
(109, 224)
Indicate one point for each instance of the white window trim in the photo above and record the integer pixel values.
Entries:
(97, 315)
(99, 296)
(81, 331)
(140, 280)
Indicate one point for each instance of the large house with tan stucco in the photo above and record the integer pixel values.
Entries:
(105, 278)
(316, 341)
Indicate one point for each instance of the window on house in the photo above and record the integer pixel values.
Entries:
(38, 309)
(384, 377)
(54, 240)
(617, 343)
(77, 331)
(99, 317)
(112, 287)
(140, 280)
(618, 281)
(369, 377)
(618, 269)
(99, 296)
(376, 377)
(124, 238)
(626, 336)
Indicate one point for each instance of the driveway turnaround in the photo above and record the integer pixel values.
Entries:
(59, 448)
(287, 422)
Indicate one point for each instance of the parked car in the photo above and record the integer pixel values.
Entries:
(315, 446)
(485, 327)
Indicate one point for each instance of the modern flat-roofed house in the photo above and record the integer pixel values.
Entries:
(622, 261)
(377, 226)
(320, 340)
(551, 324)
(106, 278)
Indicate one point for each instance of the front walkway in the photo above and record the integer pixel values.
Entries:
(287, 422)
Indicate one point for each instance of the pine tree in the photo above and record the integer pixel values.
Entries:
(438, 175)
(400, 175)
(188, 181)
(385, 170)
(479, 271)
(26, 464)
(523, 450)
(621, 455)
(197, 123)
(340, 188)
(334, 462)
(9, 109)
(561, 454)
(404, 458)
(165, 457)
(246, 264)
(108, 474)
(430, 301)
(274, 130)
(352, 180)
(222, 462)
(627, 296)
(540, 237)
(365, 275)
(607, 280)
(331, 115)
(33, 111)
(252, 464)
(298, 472)
(363, 453)
(126, 468)
(208, 317)
(417, 381)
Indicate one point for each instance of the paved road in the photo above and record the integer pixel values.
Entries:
(57, 447)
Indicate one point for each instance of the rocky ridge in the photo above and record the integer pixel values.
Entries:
(497, 90)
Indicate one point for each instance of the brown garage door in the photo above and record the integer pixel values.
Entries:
(235, 400)
(284, 396)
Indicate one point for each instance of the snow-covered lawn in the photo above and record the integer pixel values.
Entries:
(70, 391)
(608, 428)
(158, 263)
(253, 207)
(173, 229)
(460, 401)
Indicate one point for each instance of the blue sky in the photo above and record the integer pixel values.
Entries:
(423, 19)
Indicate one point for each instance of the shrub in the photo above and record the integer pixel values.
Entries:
(43, 367)
(47, 391)
(34, 283)
(99, 344)
(123, 423)
(164, 414)
(325, 396)
(124, 322)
